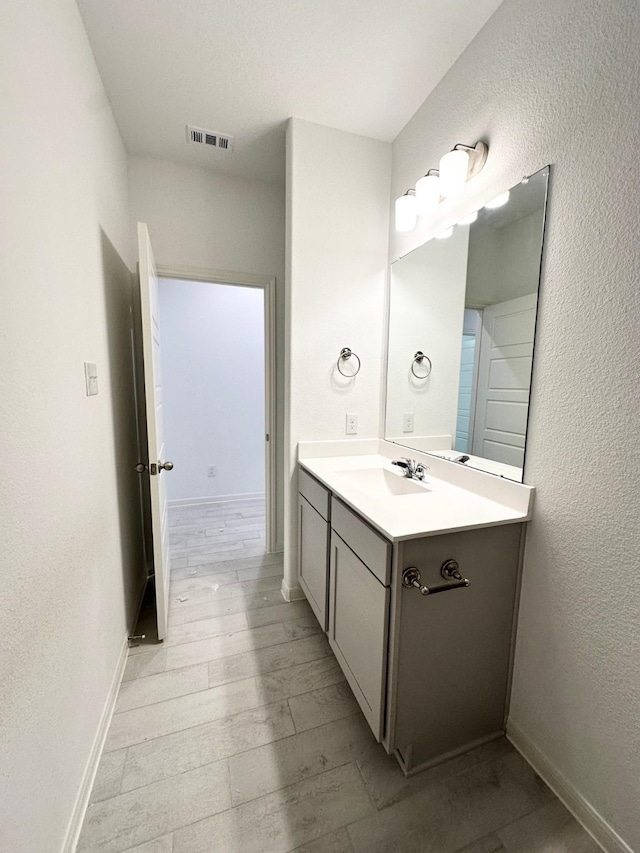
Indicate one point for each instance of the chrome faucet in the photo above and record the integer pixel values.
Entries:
(412, 470)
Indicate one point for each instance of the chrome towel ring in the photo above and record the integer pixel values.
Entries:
(345, 355)
(420, 358)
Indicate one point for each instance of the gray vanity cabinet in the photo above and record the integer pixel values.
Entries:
(430, 672)
(360, 572)
(450, 658)
(313, 546)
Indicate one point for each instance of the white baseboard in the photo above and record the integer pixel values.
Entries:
(602, 832)
(215, 499)
(292, 593)
(91, 768)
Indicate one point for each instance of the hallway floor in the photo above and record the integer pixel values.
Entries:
(239, 734)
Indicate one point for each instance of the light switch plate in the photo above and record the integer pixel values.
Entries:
(352, 424)
(407, 422)
(91, 378)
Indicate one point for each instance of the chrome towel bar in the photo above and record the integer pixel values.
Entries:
(450, 571)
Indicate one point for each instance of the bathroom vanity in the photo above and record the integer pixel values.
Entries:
(430, 670)
(416, 581)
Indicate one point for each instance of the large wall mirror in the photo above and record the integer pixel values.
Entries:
(462, 320)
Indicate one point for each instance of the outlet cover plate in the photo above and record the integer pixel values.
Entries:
(91, 378)
(407, 422)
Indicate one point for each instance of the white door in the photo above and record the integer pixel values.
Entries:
(157, 466)
(504, 379)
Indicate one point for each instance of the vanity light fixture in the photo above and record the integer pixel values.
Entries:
(428, 193)
(469, 218)
(406, 211)
(498, 201)
(444, 234)
(459, 165)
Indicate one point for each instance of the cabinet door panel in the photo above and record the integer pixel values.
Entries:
(358, 625)
(314, 559)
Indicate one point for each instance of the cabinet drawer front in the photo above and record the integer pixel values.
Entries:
(314, 492)
(313, 544)
(358, 630)
(373, 549)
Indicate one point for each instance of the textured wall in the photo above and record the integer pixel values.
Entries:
(338, 188)
(69, 505)
(560, 83)
(213, 387)
(199, 218)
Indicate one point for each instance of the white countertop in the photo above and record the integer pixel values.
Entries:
(451, 498)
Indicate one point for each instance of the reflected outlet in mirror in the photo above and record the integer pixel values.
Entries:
(469, 303)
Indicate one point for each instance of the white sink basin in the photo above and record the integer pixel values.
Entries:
(380, 482)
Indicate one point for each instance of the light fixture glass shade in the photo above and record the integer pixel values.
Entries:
(469, 218)
(454, 167)
(498, 201)
(427, 194)
(444, 234)
(406, 213)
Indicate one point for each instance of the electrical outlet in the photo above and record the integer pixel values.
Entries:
(407, 422)
(212, 471)
(352, 424)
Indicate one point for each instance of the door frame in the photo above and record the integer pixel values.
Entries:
(268, 285)
(474, 381)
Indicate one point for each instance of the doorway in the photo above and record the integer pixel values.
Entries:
(217, 367)
(212, 334)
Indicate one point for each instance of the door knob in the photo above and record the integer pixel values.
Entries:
(153, 468)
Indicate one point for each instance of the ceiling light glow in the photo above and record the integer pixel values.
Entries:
(498, 201)
(469, 218)
(444, 234)
(454, 168)
(428, 194)
(406, 211)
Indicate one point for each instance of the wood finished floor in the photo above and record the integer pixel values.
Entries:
(239, 734)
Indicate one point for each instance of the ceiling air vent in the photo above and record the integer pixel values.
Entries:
(210, 137)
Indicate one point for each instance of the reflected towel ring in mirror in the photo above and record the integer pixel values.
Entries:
(420, 358)
(345, 355)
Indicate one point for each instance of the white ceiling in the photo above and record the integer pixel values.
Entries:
(244, 67)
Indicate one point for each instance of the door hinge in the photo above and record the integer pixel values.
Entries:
(267, 436)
